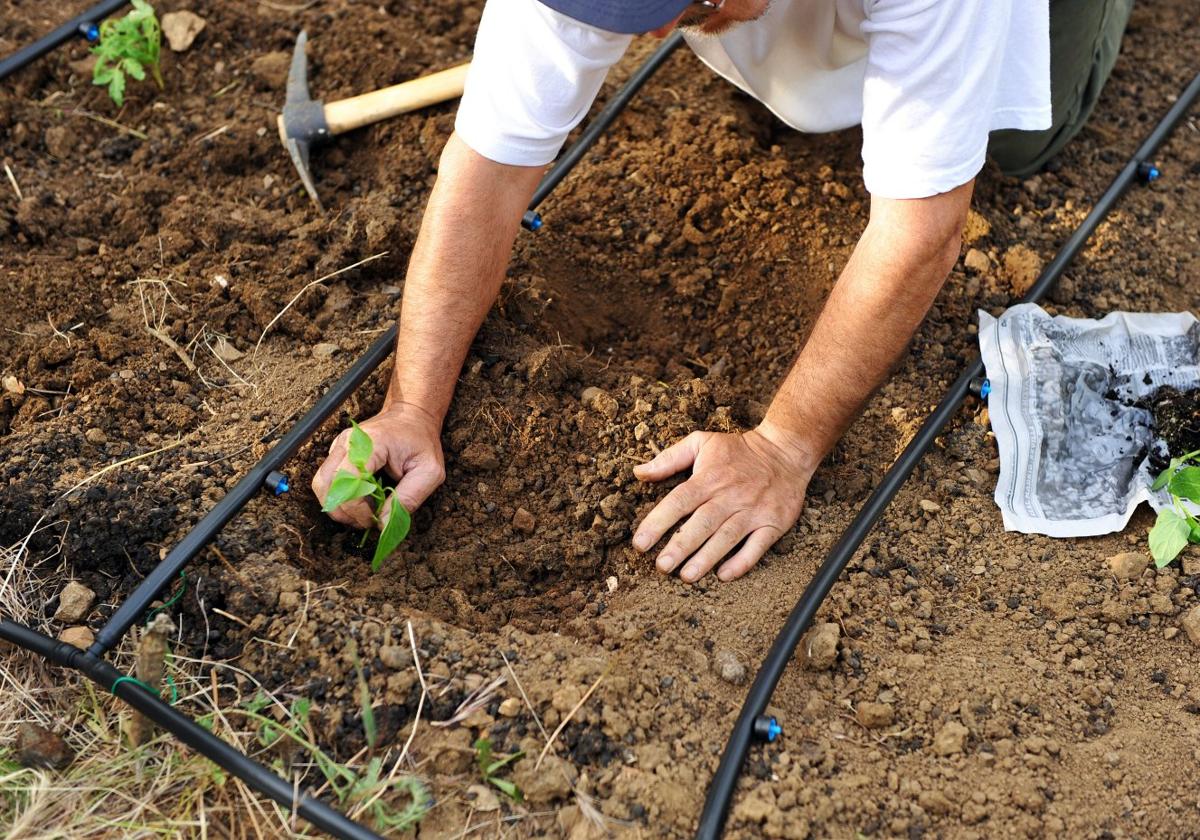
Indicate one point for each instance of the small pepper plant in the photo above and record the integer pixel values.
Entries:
(1176, 526)
(128, 45)
(348, 486)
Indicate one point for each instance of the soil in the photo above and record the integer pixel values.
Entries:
(1176, 421)
(1029, 691)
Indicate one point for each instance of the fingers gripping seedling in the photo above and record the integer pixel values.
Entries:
(1176, 526)
(348, 486)
(128, 45)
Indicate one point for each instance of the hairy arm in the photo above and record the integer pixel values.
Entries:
(891, 280)
(454, 275)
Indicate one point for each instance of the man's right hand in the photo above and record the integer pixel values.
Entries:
(407, 444)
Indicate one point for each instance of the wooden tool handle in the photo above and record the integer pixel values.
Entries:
(357, 111)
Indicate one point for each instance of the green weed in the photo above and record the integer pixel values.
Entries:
(488, 768)
(1175, 526)
(128, 45)
(350, 786)
(348, 486)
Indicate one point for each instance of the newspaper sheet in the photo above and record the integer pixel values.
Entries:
(1073, 445)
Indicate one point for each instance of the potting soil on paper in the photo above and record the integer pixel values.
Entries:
(1072, 446)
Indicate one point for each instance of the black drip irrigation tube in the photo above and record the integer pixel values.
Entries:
(264, 474)
(85, 25)
(751, 723)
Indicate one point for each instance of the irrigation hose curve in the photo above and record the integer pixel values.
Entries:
(75, 27)
(186, 730)
(724, 781)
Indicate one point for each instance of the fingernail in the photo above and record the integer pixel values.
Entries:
(664, 563)
(640, 542)
(690, 574)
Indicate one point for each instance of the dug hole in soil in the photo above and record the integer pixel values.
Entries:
(976, 683)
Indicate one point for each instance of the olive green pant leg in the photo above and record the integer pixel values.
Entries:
(1085, 37)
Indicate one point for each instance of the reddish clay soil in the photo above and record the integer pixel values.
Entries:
(984, 684)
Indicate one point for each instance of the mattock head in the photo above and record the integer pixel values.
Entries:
(302, 122)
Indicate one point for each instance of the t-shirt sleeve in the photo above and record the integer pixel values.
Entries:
(534, 74)
(937, 82)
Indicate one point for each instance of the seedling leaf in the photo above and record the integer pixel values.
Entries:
(508, 788)
(394, 532)
(346, 487)
(361, 447)
(1186, 484)
(1165, 475)
(1168, 537)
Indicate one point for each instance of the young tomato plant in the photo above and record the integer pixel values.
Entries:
(1175, 526)
(348, 486)
(130, 45)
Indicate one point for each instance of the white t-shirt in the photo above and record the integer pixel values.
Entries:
(927, 79)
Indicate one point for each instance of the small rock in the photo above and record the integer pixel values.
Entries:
(12, 385)
(479, 456)
(950, 739)
(1191, 625)
(510, 707)
(612, 583)
(641, 431)
(324, 350)
(819, 646)
(929, 506)
(271, 69)
(1191, 564)
(396, 657)
(729, 667)
(977, 261)
(80, 637)
(60, 141)
(96, 436)
(181, 28)
(1128, 565)
(73, 603)
(524, 521)
(875, 715)
(41, 748)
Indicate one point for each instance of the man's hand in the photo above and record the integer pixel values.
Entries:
(406, 444)
(744, 487)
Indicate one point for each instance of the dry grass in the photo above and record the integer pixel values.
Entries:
(159, 790)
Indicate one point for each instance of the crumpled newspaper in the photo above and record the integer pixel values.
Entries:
(1073, 445)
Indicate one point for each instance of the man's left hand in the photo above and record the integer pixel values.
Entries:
(745, 489)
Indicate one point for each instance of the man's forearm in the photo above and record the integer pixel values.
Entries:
(883, 294)
(455, 271)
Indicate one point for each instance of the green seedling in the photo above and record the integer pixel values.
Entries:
(348, 486)
(1176, 526)
(128, 45)
(490, 766)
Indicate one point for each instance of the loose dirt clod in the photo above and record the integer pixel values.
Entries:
(950, 739)
(73, 603)
(729, 667)
(39, 747)
(875, 715)
(1191, 623)
(80, 637)
(1128, 565)
(819, 646)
